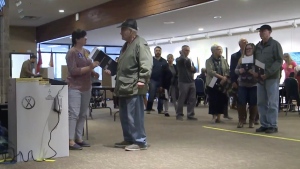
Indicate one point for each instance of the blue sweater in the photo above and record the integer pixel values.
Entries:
(157, 69)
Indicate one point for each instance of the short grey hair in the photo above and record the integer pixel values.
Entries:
(214, 47)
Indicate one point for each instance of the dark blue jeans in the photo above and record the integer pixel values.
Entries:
(153, 87)
(247, 95)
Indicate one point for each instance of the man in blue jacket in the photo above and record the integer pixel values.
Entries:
(155, 81)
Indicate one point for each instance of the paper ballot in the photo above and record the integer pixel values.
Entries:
(259, 64)
(247, 59)
(213, 82)
(105, 61)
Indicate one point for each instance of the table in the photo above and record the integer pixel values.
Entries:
(104, 88)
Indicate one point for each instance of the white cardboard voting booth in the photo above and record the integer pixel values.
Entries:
(31, 118)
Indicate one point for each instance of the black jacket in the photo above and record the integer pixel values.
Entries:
(233, 63)
(166, 76)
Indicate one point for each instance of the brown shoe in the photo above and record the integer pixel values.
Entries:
(240, 125)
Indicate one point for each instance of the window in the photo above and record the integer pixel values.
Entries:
(91, 48)
(60, 60)
(113, 50)
(53, 47)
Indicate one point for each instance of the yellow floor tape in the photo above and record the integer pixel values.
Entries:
(253, 134)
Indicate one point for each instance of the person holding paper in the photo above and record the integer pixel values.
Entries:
(169, 82)
(247, 87)
(186, 84)
(217, 70)
(133, 74)
(268, 57)
(233, 63)
(80, 69)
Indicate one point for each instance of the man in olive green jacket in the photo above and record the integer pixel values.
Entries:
(268, 52)
(133, 73)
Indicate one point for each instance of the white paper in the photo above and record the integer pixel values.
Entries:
(247, 59)
(213, 82)
(259, 64)
(166, 93)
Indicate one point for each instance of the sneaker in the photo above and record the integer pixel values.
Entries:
(272, 130)
(135, 147)
(75, 147)
(192, 118)
(83, 144)
(180, 118)
(261, 129)
(122, 144)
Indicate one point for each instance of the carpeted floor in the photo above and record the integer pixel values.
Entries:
(184, 145)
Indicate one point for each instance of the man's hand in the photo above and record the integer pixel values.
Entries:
(234, 85)
(95, 64)
(263, 77)
(107, 72)
(224, 79)
(141, 84)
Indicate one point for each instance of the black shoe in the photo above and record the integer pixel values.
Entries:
(161, 112)
(192, 118)
(261, 129)
(180, 118)
(272, 130)
(167, 115)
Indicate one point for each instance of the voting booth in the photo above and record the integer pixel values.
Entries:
(31, 118)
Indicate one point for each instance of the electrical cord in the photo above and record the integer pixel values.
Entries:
(13, 160)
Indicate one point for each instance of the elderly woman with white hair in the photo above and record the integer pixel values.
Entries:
(217, 66)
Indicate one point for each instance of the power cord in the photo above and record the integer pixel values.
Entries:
(13, 161)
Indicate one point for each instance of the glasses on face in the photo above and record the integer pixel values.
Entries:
(247, 49)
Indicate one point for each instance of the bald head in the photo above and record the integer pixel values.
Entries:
(242, 43)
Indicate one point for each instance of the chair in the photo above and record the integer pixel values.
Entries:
(292, 93)
(200, 91)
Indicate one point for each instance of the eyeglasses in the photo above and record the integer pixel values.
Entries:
(249, 48)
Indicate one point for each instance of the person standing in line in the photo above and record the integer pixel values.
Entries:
(169, 82)
(155, 81)
(269, 52)
(133, 74)
(247, 87)
(81, 71)
(217, 66)
(186, 84)
(233, 63)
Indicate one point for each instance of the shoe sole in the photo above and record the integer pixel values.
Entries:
(127, 149)
(121, 146)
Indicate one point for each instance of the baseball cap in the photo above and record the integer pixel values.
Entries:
(129, 23)
(263, 27)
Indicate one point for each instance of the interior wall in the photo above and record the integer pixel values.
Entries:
(288, 37)
(22, 39)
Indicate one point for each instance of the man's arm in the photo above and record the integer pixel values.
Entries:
(276, 65)
(145, 62)
(233, 76)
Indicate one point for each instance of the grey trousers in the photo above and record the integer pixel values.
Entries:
(132, 119)
(78, 108)
(171, 94)
(187, 91)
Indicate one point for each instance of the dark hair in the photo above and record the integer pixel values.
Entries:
(292, 74)
(78, 34)
(157, 47)
(33, 56)
(184, 46)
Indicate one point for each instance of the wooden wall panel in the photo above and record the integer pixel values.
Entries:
(113, 12)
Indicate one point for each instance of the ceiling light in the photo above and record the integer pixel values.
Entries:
(170, 22)
(20, 10)
(61, 11)
(200, 29)
(18, 3)
(217, 17)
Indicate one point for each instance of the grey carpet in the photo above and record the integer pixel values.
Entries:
(182, 145)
